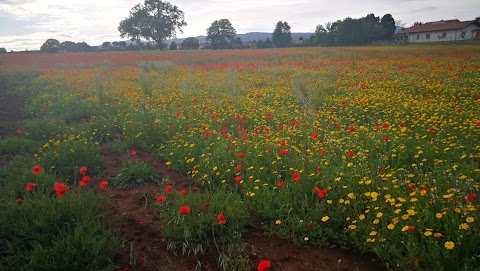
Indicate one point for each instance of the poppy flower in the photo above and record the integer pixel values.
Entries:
(283, 143)
(411, 228)
(221, 219)
(385, 139)
(351, 129)
(60, 189)
(470, 197)
(322, 193)
(410, 186)
(350, 154)
(36, 169)
(19, 131)
(323, 151)
(296, 177)
(238, 179)
(183, 192)
(161, 198)
(133, 153)
(103, 184)
(19, 200)
(319, 169)
(314, 135)
(240, 154)
(238, 167)
(83, 170)
(30, 186)
(281, 184)
(184, 210)
(284, 151)
(264, 265)
(168, 189)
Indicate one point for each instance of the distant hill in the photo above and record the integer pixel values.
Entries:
(247, 37)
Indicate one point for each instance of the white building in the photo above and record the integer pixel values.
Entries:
(449, 30)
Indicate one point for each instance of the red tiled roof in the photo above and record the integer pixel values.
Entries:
(438, 26)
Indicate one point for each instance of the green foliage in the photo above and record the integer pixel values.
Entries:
(47, 233)
(199, 230)
(282, 35)
(134, 174)
(18, 145)
(190, 43)
(221, 34)
(173, 46)
(154, 20)
(15, 168)
(40, 129)
(50, 46)
(66, 158)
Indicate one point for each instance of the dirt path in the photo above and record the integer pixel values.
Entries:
(132, 214)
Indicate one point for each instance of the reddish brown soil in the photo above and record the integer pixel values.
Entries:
(133, 216)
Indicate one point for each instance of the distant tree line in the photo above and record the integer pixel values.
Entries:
(156, 21)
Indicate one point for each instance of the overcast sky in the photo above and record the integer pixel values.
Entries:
(26, 24)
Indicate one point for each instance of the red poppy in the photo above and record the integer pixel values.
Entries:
(351, 129)
(30, 186)
(238, 167)
(168, 189)
(314, 135)
(238, 179)
(410, 186)
(161, 198)
(280, 127)
(133, 153)
(221, 219)
(385, 125)
(19, 131)
(60, 189)
(350, 154)
(19, 200)
(377, 127)
(283, 143)
(103, 184)
(83, 170)
(470, 197)
(432, 130)
(184, 210)
(322, 193)
(425, 188)
(385, 139)
(296, 177)
(411, 228)
(323, 151)
(86, 179)
(269, 150)
(284, 151)
(132, 122)
(402, 124)
(264, 265)
(281, 184)
(36, 169)
(319, 169)
(183, 192)
(240, 154)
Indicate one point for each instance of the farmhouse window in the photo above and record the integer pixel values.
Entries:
(444, 34)
(418, 37)
(427, 36)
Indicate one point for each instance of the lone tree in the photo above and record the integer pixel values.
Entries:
(3, 51)
(221, 34)
(154, 20)
(190, 43)
(50, 46)
(282, 35)
(173, 46)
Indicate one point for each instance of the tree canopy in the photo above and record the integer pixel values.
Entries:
(50, 46)
(221, 34)
(282, 35)
(190, 43)
(154, 20)
(351, 31)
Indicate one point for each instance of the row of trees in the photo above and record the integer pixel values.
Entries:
(354, 31)
(157, 20)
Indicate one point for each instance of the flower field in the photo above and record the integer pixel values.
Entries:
(375, 149)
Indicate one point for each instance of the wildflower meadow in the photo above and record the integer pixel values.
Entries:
(372, 149)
